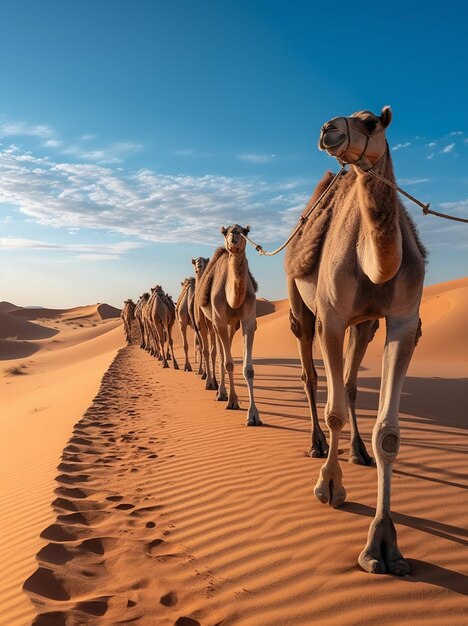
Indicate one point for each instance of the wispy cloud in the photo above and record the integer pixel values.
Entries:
(144, 204)
(111, 154)
(456, 132)
(400, 146)
(95, 252)
(17, 129)
(257, 158)
(448, 148)
(52, 143)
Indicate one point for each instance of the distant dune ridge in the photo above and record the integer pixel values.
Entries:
(168, 510)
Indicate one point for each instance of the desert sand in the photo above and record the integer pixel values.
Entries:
(167, 509)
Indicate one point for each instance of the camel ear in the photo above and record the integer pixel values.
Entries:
(386, 116)
(247, 229)
(193, 261)
(207, 260)
(223, 231)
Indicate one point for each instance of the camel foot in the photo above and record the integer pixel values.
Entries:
(253, 419)
(187, 367)
(165, 364)
(232, 405)
(381, 554)
(210, 385)
(329, 487)
(221, 396)
(319, 446)
(358, 453)
(203, 376)
(175, 365)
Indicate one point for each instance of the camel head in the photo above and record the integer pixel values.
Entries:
(200, 264)
(358, 138)
(145, 296)
(234, 242)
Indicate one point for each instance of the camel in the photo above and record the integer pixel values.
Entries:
(128, 315)
(160, 312)
(226, 296)
(204, 331)
(359, 260)
(185, 319)
(140, 318)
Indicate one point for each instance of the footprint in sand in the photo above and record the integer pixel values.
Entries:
(170, 599)
(187, 621)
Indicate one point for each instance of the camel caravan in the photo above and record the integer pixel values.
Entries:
(356, 258)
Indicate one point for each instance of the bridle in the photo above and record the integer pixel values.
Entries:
(359, 161)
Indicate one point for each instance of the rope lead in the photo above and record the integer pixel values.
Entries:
(303, 219)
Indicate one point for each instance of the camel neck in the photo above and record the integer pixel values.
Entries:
(379, 206)
(237, 276)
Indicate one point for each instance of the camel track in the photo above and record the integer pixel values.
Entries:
(171, 512)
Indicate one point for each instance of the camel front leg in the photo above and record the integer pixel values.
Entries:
(248, 332)
(329, 487)
(359, 338)
(183, 333)
(222, 330)
(381, 554)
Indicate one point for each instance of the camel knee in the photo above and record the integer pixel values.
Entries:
(249, 372)
(334, 421)
(294, 325)
(229, 365)
(386, 442)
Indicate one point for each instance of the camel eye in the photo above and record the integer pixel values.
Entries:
(370, 125)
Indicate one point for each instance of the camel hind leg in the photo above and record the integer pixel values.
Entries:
(302, 322)
(171, 346)
(162, 343)
(212, 336)
(222, 395)
(183, 333)
(359, 338)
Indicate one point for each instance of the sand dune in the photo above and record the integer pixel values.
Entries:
(93, 311)
(6, 307)
(14, 328)
(168, 510)
(61, 374)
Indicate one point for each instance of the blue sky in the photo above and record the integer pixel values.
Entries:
(131, 131)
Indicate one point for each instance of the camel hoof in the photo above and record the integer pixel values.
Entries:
(319, 447)
(221, 397)
(254, 421)
(210, 386)
(232, 406)
(188, 367)
(381, 554)
(203, 376)
(165, 365)
(358, 454)
(175, 365)
(330, 491)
